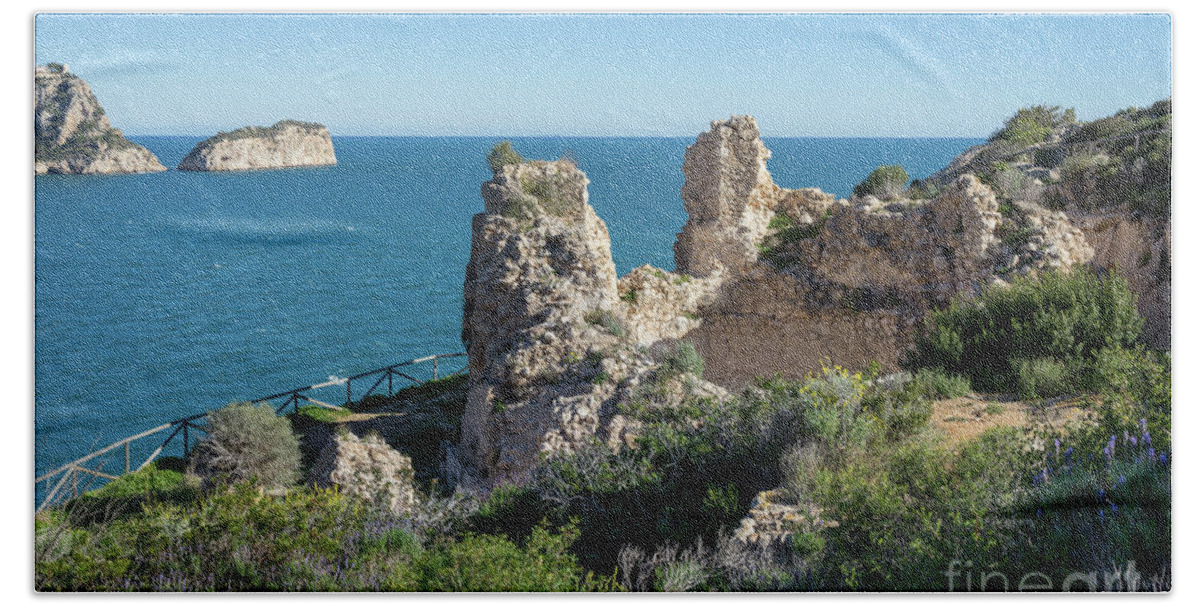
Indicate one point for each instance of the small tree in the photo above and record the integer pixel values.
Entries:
(247, 442)
(885, 182)
(502, 154)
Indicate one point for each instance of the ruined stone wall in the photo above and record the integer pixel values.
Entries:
(768, 280)
(841, 281)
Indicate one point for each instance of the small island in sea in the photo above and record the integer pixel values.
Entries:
(285, 144)
(72, 133)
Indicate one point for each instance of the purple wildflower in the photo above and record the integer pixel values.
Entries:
(1146, 437)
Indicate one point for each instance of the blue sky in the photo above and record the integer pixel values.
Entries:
(460, 74)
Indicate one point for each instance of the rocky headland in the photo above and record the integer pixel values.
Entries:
(287, 143)
(72, 133)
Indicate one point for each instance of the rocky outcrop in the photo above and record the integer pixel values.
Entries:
(768, 280)
(835, 280)
(540, 320)
(287, 143)
(72, 133)
(660, 307)
(367, 468)
(729, 197)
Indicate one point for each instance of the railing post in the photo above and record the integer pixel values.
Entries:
(186, 424)
(126, 457)
(435, 359)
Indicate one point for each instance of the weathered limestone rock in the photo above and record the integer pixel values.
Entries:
(368, 468)
(837, 280)
(1037, 240)
(663, 306)
(729, 197)
(72, 134)
(771, 522)
(287, 143)
(541, 322)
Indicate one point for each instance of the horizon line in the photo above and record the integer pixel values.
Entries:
(510, 136)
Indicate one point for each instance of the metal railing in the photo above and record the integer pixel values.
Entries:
(63, 483)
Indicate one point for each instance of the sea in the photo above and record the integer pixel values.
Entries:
(158, 296)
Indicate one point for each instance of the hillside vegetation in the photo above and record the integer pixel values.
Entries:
(847, 483)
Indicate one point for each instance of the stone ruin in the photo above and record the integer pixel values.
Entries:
(768, 280)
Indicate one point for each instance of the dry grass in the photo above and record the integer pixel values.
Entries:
(965, 418)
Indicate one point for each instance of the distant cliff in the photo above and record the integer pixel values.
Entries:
(72, 133)
(287, 143)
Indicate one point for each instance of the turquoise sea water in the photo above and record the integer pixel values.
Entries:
(163, 295)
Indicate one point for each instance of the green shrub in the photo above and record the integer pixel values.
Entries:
(1041, 377)
(1033, 124)
(496, 564)
(937, 384)
(247, 442)
(502, 155)
(1067, 317)
(1048, 157)
(806, 544)
(606, 319)
(684, 359)
(885, 182)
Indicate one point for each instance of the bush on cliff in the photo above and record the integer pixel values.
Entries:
(502, 155)
(885, 182)
(248, 443)
(1033, 124)
(1040, 335)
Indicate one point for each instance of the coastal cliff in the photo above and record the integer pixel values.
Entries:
(287, 143)
(72, 133)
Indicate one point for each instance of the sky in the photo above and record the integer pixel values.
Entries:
(858, 75)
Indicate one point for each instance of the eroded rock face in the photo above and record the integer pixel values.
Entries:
(841, 281)
(661, 307)
(729, 197)
(287, 143)
(366, 467)
(541, 321)
(72, 133)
